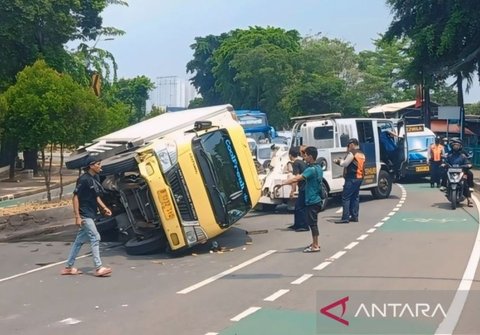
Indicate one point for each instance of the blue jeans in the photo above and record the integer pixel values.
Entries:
(351, 198)
(299, 220)
(87, 232)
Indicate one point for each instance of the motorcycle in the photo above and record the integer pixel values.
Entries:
(456, 181)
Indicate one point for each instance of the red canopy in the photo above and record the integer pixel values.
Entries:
(440, 126)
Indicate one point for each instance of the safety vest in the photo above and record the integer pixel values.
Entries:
(436, 152)
(356, 169)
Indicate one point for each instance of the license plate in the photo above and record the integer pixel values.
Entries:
(167, 207)
(422, 168)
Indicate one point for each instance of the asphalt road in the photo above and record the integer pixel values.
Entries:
(407, 253)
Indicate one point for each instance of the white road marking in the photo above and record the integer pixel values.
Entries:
(351, 245)
(303, 278)
(339, 210)
(245, 313)
(391, 213)
(211, 334)
(402, 201)
(338, 255)
(362, 237)
(39, 269)
(371, 230)
(276, 295)
(379, 224)
(399, 205)
(396, 209)
(322, 266)
(386, 218)
(224, 273)
(447, 326)
(69, 321)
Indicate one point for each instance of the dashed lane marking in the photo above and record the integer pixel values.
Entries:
(302, 279)
(245, 313)
(276, 295)
(225, 273)
(322, 266)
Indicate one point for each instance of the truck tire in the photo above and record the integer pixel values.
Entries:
(76, 161)
(120, 163)
(144, 246)
(384, 187)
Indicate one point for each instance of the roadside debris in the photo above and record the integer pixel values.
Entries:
(255, 232)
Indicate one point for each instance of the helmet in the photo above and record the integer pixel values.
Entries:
(438, 140)
(456, 144)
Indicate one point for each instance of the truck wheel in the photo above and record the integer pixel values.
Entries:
(324, 195)
(76, 161)
(144, 246)
(120, 163)
(384, 187)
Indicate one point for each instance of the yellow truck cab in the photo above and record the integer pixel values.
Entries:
(181, 177)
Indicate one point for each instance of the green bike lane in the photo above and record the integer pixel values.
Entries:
(417, 254)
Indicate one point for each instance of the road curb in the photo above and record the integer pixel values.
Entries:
(31, 232)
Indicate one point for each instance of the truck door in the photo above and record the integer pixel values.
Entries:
(366, 139)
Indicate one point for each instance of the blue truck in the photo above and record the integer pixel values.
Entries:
(255, 124)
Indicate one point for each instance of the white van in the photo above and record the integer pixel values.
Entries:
(329, 134)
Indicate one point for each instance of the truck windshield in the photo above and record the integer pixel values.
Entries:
(222, 176)
(418, 147)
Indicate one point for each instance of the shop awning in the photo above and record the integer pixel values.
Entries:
(440, 126)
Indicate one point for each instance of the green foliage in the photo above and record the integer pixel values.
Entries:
(156, 111)
(383, 72)
(445, 37)
(45, 107)
(30, 30)
(241, 81)
(196, 103)
(202, 67)
(134, 93)
(472, 109)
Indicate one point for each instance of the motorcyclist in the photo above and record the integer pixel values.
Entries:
(458, 157)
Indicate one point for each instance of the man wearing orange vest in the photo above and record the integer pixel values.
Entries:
(435, 155)
(353, 172)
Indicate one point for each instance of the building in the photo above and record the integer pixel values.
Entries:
(173, 92)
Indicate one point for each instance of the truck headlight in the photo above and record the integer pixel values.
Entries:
(190, 235)
(167, 154)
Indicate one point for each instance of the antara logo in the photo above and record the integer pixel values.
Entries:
(386, 310)
(342, 302)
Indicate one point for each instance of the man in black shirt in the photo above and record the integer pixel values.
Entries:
(86, 200)
(298, 166)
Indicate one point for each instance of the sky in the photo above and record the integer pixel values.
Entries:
(159, 32)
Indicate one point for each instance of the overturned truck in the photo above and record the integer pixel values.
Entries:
(175, 180)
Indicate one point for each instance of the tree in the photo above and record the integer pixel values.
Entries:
(41, 28)
(45, 109)
(134, 93)
(326, 79)
(445, 38)
(245, 82)
(202, 67)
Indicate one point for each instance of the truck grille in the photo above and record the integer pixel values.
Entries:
(181, 194)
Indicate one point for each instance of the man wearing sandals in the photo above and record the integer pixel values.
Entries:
(312, 176)
(86, 201)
